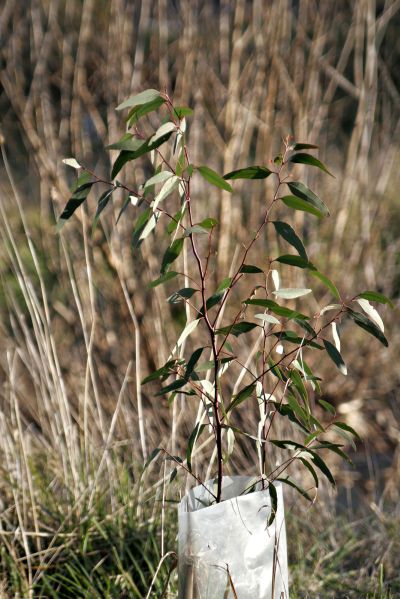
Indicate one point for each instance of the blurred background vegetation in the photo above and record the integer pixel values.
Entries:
(79, 327)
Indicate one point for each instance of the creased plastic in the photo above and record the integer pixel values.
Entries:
(226, 550)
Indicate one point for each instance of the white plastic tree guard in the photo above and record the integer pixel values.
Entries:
(226, 550)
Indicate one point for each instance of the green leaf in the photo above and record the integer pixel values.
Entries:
(319, 463)
(327, 282)
(297, 408)
(125, 205)
(79, 194)
(144, 148)
(214, 178)
(298, 383)
(250, 172)
(237, 329)
(291, 483)
(335, 356)
(194, 358)
(195, 229)
(250, 269)
(208, 223)
(167, 277)
(181, 295)
(127, 142)
(140, 226)
(225, 283)
(304, 158)
(374, 296)
(182, 111)
(292, 337)
(277, 309)
(240, 397)
(301, 146)
(303, 205)
(293, 260)
(311, 470)
(327, 406)
(345, 427)
(173, 224)
(164, 129)
(195, 434)
(287, 293)
(289, 235)
(301, 191)
(171, 254)
(144, 97)
(137, 112)
(274, 503)
(103, 201)
(174, 386)
(163, 372)
(369, 326)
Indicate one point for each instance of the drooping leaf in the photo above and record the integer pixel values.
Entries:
(237, 329)
(125, 205)
(293, 260)
(319, 463)
(311, 470)
(327, 406)
(291, 483)
(240, 397)
(250, 172)
(167, 277)
(194, 358)
(345, 427)
(287, 293)
(188, 330)
(374, 296)
(250, 269)
(335, 356)
(195, 434)
(214, 178)
(171, 254)
(169, 186)
(303, 158)
(79, 194)
(327, 282)
(143, 97)
(274, 503)
(225, 283)
(289, 235)
(301, 191)
(103, 201)
(181, 295)
(371, 312)
(144, 148)
(140, 226)
(369, 326)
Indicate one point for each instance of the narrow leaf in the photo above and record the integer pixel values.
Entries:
(369, 326)
(291, 483)
(143, 98)
(374, 296)
(293, 260)
(72, 162)
(250, 172)
(286, 293)
(335, 356)
(181, 295)
(198, 429)
(214, 178)
(163, 130)
(345, 427)
(267, 318)
(167, 277)
(189, 328)
(289, 235)
(303, 158)
(327, 282)
(301, 146)
(171, 254)
(144, 148)
(250, 269)
(240, 397)
(303, 192)
(128, 142)
(274, 503)
(103, 201)
(371, 312)
(236, 329)
(302, 205)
